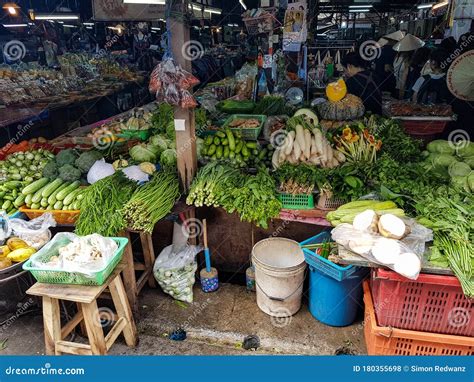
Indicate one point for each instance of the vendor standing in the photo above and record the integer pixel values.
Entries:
(362, 82)
(432, 88)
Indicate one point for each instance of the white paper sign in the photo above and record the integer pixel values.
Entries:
(180, 124)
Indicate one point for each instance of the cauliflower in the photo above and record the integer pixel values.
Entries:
(69, 173)
(87, 159)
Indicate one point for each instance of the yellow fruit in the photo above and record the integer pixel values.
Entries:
(4, 251)
(336, 91)
(22, 254)
(16, 243)
(5, 263)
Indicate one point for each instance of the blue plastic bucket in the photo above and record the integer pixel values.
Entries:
(335, 303)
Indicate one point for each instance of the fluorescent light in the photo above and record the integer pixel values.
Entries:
(359, 10)
(159, 2)
(89, 27)
(69, 26)
(89, 24)
(216, 11)
(243, 4)
(57, 16)
(439, 5)
(15, 25)
(424, 6)
(155, 29)
(360, 6)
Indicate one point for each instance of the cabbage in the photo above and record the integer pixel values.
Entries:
(459, 169)
(168, 157)
(465, 149)
(469, 161)
(170, 131)
(144, 153)
(441, 146)
(470, 181)
(159, 141)
(442, 160)
(199, 146)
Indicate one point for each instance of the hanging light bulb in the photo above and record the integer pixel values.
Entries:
(11, 8)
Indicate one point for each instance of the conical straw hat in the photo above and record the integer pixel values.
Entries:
(460, 76)
(408, 43)
(397, 36)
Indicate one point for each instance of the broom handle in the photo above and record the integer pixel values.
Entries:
(204, 226)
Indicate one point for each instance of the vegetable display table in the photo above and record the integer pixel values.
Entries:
(347, 257)
(86, 299)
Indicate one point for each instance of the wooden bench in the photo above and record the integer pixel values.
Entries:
(89, 316)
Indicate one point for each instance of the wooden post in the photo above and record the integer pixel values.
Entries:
(185, 140)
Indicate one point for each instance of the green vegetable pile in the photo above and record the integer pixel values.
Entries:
(152, 201)
(253, 197)
(102, 204)
(271, 105)
(230, 106)
(70, 166)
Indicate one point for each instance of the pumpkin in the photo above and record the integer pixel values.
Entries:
(336, 91)
(350, 107)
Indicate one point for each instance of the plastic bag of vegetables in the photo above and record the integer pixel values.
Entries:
(174, 270)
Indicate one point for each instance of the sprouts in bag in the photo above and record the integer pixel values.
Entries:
(174, 270)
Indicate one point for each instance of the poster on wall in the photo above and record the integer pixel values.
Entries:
(116, 10)
(295, 29)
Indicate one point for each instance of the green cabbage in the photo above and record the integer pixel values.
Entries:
(143, 153)
(465, 149)
(159, 141)
(470, 181)
(168, 157)
(442, 160)
(441, 146)
(459, 169)
(469, 161)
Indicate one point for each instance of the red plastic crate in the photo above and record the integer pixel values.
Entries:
(433, 303)
(424, 127)
(384, 340)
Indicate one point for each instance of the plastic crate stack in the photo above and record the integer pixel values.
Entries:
(429, 316)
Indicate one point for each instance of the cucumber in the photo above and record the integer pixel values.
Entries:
(35, 206)
(80, 196)
(28, 199)
(44, 203)
(35, 186)
(251, 145)
(48, 190)
(37, 196)
(52, 198)
(58, 205)
(231, 139)
(71, 197)
(220, 134)
(19, 201)
(61, 195)
(7, 204)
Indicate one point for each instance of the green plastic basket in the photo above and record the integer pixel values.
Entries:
(142, 135)
(247, 133)
(51, 276)
(296, 202)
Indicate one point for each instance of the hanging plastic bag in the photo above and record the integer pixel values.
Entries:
(35, 232)
(99, 170)
(174, 270)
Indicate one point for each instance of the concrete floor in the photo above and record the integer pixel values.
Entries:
(215, 323)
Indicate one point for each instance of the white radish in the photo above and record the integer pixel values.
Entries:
(289, 140)
(296, 149)
(318, 137)
(329, 153)
(314, 149)
(300, 137)
(281, 156)
(341, 158)
(307, 141)
(386, 251)
(275, 159)
(302, 157)
(315, 160)
(392, 226)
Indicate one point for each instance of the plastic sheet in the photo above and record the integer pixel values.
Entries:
(403, 256)
(174, 270)
(35, 232)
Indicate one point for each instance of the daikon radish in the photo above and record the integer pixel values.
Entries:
(296, 149)
(315, 160)
(366, 221)
(386, 251)
(289, 140)
(299, 137)
(307, 141)
(314, 149)
(392, 227)
(329, 153)
(341, 158)
(318, 137)
(275, 158)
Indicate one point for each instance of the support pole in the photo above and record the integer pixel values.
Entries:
(185, 140)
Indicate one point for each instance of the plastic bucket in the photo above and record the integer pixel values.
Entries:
(279, 276)
(333, 302)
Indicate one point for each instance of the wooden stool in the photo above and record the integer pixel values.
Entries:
(86, 299)
(133, 285)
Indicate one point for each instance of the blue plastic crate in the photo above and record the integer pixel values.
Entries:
(323, 265)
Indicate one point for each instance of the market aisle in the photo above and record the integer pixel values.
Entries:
(216, 323)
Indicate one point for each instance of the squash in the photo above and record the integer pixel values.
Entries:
(336, 91)
(350, 107)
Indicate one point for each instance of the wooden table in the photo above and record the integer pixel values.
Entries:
(88, 312)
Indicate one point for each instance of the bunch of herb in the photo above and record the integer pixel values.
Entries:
(161, 117)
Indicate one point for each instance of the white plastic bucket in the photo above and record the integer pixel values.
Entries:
(279, 276)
